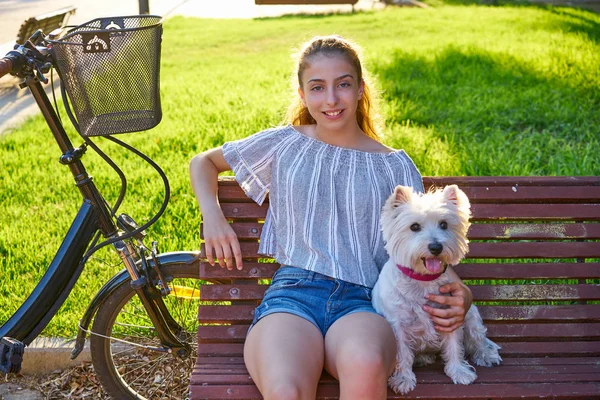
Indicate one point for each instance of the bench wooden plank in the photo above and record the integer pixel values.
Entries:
(485, 376)
(509, 349)
(519, 181)
(521, 271)
(253, 230)
(238, 374)
(487, 212)
(562, 390)
(496, 332)
(307, 2)
(479, 194)
(226, 362)
(499, 293)
(504, 314)
(486, 181)
(496, 271)
(494, 250)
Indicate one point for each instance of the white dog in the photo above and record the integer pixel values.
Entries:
(424, 234)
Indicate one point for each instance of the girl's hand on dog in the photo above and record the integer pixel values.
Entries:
(456, 299)
(221, 242)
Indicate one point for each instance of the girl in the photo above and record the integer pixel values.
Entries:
(327, 176)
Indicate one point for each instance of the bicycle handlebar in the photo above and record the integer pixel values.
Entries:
(5, 66)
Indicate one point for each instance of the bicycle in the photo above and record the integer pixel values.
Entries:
(143, 335)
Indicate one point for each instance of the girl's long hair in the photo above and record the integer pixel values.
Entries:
(366, 113)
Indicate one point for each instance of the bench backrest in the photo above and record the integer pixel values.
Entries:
(46, 22)
(282, 2)
(533, 266)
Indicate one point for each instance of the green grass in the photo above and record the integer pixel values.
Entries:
(467, 90)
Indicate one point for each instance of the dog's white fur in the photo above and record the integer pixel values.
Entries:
(411, 223)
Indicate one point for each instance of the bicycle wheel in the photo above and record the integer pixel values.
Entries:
(127, 371)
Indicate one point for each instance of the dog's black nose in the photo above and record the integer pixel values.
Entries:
(435, 248)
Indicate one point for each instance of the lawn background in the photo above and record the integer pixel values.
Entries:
(466, 90)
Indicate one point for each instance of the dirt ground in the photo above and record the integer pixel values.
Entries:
(74, 383)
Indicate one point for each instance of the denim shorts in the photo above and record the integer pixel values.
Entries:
(317, 298)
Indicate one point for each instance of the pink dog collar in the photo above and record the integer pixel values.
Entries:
(416, 276)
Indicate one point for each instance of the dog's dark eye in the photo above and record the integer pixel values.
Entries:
(443, 225)
(415, 227)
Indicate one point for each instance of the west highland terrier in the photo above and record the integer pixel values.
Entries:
(424, 233)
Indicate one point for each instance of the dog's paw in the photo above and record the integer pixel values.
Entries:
(402, 383)
(422, 360)
(487, 356)
(461, 373)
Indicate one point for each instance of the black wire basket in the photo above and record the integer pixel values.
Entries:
(110, 68)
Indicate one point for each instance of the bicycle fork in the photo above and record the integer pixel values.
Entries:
(136, 275)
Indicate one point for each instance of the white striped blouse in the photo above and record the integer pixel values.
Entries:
(324, 201)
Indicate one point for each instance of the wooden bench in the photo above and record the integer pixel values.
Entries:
(281, 2)
(46, 22)
(536, 238)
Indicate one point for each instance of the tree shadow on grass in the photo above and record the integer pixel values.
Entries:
(574, 19)
(578, 21)
(499, 113)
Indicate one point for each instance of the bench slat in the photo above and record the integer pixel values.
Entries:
(491, 181)
(562, 390)
(314, 2)
(495, 271)
(480, 293)
(488, 212)
(540, 181)
(509, 349)
(496, 332)
(533, 194)
(493, 250)
(529, 189)
(533, 231)
(497, 314)
(484, 376)
(252, 270)
(534, 250)
(253, 230)
(238, 374)
(215, 362)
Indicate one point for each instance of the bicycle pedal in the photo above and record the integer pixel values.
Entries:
(11, 355)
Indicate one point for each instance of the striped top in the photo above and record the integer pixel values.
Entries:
(324, 201)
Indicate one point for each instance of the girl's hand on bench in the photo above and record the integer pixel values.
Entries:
(221, 242)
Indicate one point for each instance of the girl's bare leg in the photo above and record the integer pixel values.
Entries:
(284, 355)
(360, 351)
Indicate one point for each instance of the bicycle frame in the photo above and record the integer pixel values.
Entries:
(50, 293)
(47, 297)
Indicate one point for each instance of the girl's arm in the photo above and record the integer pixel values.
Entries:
(459, 302)
(221, 242)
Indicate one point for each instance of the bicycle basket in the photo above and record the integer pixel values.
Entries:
(110, 68)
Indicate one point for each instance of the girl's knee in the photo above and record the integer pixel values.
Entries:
(363, 375)
(365, 365)
(287, 390)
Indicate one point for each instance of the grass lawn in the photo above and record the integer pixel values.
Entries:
(467, 90)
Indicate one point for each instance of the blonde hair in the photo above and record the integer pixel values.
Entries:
(366, 112)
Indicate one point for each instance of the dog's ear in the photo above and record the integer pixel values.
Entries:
(454, 195)
(402, 194)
